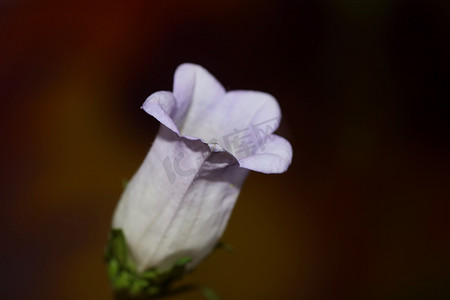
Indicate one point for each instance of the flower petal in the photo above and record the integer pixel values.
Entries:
(162, 106)
(274, 156)
(243, 109)
(235, 112)
(195, 90)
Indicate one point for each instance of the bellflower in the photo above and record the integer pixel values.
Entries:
(179, 201)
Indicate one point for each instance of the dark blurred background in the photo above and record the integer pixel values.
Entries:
(363, 211)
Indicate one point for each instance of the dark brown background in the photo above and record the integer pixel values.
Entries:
(363, 211)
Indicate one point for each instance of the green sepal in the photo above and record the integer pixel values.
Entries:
(126, 282)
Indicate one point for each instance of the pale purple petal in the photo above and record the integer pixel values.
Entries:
(162, 106)
(196, 91)
(236, 111)
(274, 156)
(243, 109)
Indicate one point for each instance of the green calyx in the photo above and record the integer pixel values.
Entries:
(130, 284)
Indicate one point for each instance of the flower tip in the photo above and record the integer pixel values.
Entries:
(161, 105)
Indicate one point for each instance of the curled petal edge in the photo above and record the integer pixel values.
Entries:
(274, 156)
